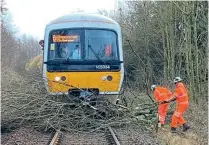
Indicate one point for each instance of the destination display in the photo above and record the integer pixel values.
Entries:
(66, 38)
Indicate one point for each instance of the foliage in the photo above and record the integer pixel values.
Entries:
(16, 51)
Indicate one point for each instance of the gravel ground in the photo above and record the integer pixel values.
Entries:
(135, 136)
(84, 139)
(24, 136)
(126, 135)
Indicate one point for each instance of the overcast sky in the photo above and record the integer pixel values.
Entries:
(31, 16)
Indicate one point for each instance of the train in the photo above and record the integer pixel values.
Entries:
(83, 56)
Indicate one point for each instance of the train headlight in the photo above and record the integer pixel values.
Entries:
(104, 78)
(57, 78)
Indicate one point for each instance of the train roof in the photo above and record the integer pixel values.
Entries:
(82, 17)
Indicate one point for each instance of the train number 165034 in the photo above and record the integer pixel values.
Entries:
(102, 67)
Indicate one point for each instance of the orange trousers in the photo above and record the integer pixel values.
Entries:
(162, 111)
(177, 118)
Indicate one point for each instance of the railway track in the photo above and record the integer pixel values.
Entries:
(109, 133)
(110, 137)
(56, 140)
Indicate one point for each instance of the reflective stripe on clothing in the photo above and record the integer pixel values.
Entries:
(182, 105)
(185, 102)
(177, 114)
(177, 118)
(162, 94)
(162, 111)
(181, 96)
(177, 121)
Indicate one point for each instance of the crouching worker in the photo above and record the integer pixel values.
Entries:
(161, 94)
(182, 103)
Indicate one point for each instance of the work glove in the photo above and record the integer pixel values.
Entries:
(164, 102)
(173, 99)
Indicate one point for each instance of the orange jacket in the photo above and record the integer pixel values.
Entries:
(108, 50)
(162, 94)
(181, 93)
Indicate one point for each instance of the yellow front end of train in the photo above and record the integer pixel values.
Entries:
(83, 52)
(84, 80)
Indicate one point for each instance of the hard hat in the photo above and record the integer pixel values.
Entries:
(177, 79)
(153, 87)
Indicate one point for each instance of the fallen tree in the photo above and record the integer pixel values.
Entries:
(26, 101)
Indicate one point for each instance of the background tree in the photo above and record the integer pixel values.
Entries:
(163, 40)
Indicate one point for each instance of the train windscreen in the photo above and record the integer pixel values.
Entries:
(83, 45)
(100, 44)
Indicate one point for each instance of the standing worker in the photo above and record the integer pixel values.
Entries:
(181, 97)
(161, 94)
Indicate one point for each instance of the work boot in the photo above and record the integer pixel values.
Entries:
(185, 127)
(173, 130)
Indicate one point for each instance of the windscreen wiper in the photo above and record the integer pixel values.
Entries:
(95, 54)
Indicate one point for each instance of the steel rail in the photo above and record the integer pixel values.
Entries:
(113, 135)
(55, 140)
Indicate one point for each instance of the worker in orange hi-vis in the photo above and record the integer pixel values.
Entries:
(161, 94)
(181, 97)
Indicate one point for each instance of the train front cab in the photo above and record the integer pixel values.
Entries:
(83, 53)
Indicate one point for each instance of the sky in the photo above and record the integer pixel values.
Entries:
(31, 16)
